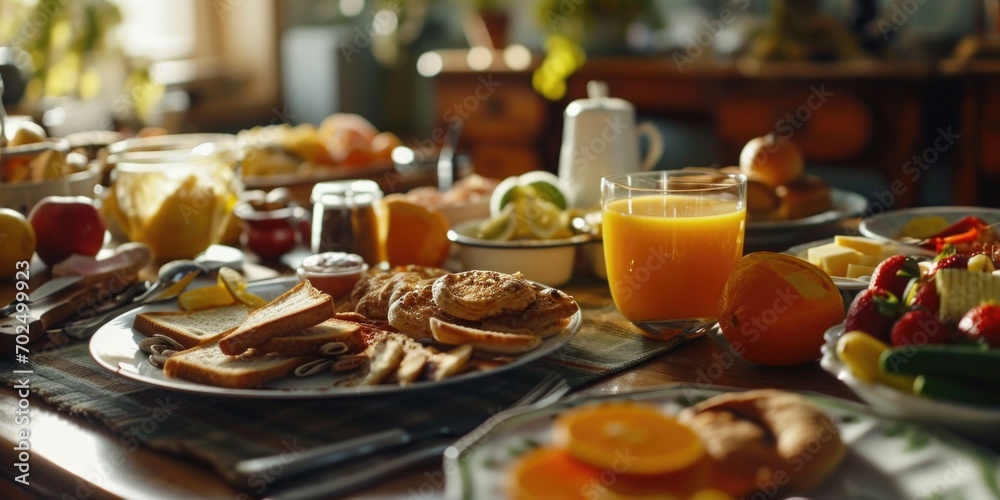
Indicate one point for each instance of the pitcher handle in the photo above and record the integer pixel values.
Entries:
(655, 144)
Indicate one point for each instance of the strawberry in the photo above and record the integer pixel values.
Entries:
(982, 323)
(952, 262)
(873, 311)
(894, 273)
(923, 294)
(919, 327)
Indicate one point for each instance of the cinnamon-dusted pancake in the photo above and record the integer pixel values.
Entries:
(362, 294)
(411, 314)
(424, 271)
(375, 302)
(546, 316)
(474, 295)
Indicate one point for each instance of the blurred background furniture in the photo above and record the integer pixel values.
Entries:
(837, 112)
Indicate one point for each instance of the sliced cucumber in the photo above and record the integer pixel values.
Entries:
(970, 362)
(945, 388)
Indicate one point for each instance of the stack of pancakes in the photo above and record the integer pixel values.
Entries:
(494, 312)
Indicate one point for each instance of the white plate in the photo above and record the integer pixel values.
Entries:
(115, 347)
(970, 420)
(855, 284)
(889, 225)
(886, 459)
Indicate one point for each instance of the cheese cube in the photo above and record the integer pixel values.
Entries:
(869, 260)
(857, 271)
(833, 258)
(863, 245)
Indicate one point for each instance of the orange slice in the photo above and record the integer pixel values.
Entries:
(550, 472)
(414, 234)
(236, 284)
(545, 473)
(652, 442)
(204, 298)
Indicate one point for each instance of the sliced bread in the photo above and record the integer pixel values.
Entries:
(192, 328)
(309, 341)
(207, 364)
(297, 309)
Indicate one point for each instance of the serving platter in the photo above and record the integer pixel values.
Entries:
(978, 421)
(886, 459)
(845, 204)
(115, 347)
(889, 225)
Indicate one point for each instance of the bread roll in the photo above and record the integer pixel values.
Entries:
(804, 196)
(761, 198)
(772, 160)
(797, 438)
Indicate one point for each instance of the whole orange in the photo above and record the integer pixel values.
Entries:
(775, 309)
(17, 242)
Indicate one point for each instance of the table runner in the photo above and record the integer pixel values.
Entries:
(222, 431)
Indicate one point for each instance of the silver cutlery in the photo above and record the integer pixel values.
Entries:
(172, 279)
(48, 288)
(549, 389)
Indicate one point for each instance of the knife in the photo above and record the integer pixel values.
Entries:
(341, 451)
(41, 317)
(48, 288)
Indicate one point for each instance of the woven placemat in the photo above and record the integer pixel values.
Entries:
(222, 431)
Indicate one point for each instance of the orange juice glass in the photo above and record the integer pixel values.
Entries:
(670, 240)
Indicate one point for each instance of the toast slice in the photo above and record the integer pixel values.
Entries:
(192, 328)
(207, 364)
(308, 341)
(297, 309)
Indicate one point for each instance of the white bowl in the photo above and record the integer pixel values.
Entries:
(549, 262)
(974, 421)
(22, 196)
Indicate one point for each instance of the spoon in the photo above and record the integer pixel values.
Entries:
(172, 279)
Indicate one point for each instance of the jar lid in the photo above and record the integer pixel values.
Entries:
(357, 191)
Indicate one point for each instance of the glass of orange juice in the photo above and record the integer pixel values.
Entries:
(670, 240)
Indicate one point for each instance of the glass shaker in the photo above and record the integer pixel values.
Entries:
(344, 219)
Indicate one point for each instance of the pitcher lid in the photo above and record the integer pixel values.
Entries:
(597, 100)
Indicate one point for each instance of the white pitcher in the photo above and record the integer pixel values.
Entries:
(601, 138)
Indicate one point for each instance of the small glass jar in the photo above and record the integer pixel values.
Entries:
(334, 273)
(344, 219)
(269, 234)
(175, 193)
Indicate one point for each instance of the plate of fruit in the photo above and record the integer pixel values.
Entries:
(922, 342)
(934, 227)
(851, 260)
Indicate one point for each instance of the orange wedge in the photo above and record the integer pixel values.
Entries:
(551, 472)
(236, 284)
(651, 441)
(204, 298)
(414, 234)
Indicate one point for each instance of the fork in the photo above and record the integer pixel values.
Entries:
(547, 391)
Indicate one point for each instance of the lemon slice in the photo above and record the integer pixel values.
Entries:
(537, 184)
(236, 284)
(205, 297)
(499, 228)
(541, 219)
(546, 187)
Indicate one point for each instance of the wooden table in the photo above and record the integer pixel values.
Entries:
(81, 459)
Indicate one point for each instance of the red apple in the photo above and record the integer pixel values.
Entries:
(66, 225)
